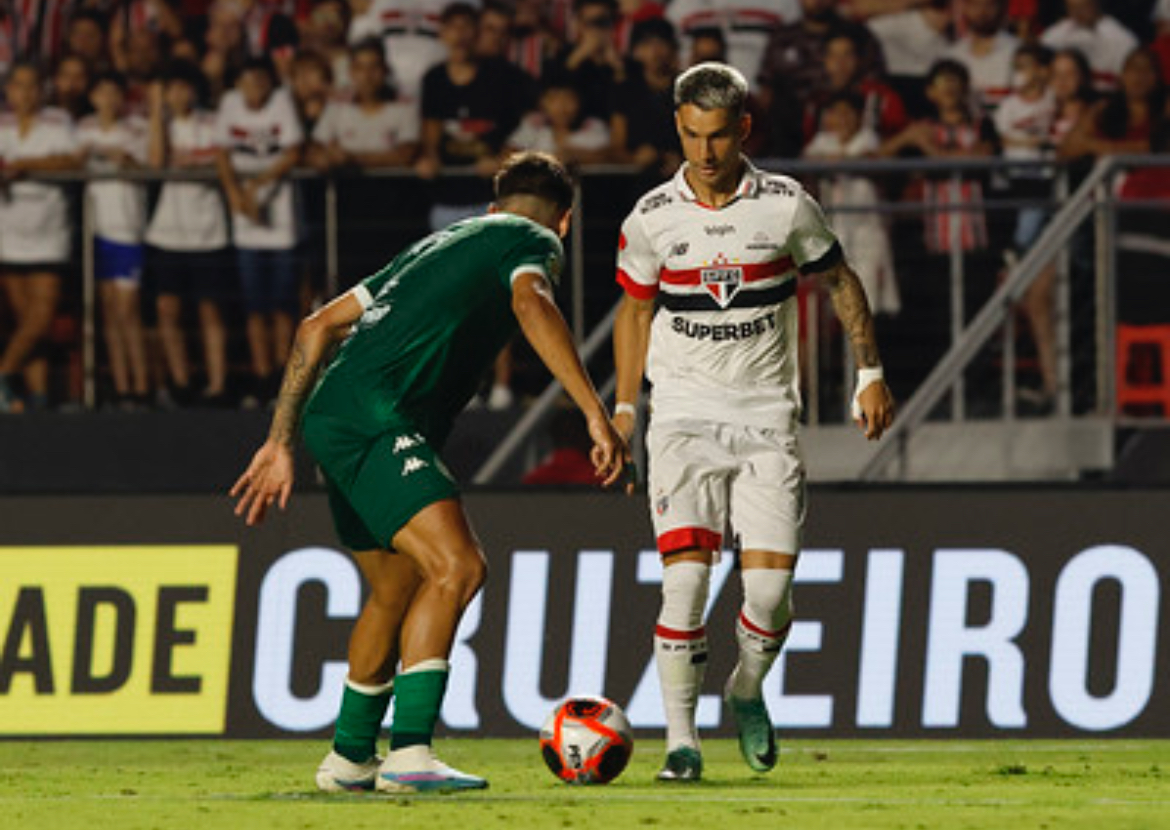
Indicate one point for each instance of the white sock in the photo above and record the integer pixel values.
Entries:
(680, 648)
(761, 628)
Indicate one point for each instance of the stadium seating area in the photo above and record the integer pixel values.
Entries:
(320, 136)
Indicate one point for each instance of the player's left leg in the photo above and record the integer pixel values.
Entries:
(767, 510)
(353, 762)
(760, 631)
(452, 569)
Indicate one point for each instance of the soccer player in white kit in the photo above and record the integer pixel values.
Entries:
(709, 263)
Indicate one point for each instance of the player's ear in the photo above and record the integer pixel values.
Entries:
(563, 225)
(745, 126)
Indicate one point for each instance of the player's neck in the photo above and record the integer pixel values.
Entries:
(720, 192)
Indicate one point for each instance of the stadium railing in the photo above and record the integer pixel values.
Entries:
(828, 386)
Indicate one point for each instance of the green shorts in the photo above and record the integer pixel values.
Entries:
(376, 483)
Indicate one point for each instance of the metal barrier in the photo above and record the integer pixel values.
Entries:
(1092, 197)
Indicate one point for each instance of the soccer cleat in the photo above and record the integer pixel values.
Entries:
(757, 739)
(684, 764)
(338, 774)
(415, 769)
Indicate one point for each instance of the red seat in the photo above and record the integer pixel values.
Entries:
(1143, 368)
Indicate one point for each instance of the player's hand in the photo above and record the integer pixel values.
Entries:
(267, 481)
(610, 453)
(876, 403)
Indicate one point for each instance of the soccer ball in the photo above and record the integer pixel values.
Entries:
(587, 740)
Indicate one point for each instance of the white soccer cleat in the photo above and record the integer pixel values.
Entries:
(415, 769)
(338, 774)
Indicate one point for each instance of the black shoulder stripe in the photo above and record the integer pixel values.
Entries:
(832, 257)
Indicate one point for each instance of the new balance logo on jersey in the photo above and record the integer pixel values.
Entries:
(718, 230)
(722, 282)
(680, 249)
(405, 442)
(413, 465)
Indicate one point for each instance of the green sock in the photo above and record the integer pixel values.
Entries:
(419, 694)
(362, 711)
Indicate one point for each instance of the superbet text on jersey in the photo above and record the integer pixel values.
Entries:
(723, 341)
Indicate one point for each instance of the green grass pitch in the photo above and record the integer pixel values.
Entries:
(209, 784)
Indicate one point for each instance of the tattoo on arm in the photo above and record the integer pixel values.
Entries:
(294, 389)
(853, 311)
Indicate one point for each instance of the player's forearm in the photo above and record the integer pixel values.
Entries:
(852, 310)
(308, 350)
(545, 329)
(631, 339)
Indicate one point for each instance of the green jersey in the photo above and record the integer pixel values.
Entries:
(435, 318)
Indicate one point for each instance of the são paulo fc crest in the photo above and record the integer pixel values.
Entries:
(722, 281)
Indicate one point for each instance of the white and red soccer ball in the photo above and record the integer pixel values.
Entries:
(587, 740)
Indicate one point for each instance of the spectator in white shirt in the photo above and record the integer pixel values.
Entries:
(188, 234)
(558, 128)
(259, 139)
(372, 130)
(1102, 39)
(111, 141)
(987, 50)
(35, 232)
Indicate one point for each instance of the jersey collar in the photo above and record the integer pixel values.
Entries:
(749, 185)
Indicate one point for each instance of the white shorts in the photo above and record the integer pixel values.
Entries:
(708, 478)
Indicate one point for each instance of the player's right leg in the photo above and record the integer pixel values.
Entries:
(680, 652)
(452, 569)
(688, 497)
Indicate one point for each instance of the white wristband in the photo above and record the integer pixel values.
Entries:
(865, 376)
(624, 408)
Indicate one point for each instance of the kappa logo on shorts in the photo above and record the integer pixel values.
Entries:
(406, 442)
(413, 465)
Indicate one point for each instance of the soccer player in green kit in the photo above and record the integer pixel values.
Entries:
(418, 336)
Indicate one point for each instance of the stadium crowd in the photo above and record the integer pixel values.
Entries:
(249, 90)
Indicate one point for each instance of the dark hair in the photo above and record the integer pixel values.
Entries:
(109, 76)
(709, 33)
(1114, 119)
(185, 72)
(611, 5)
(374, 46)
(853, 99)
(851, 35)
(92, 15)
(1038, 52)
(530, 173)
(309, 57)
(258, 63)
(27, 64)
(658, 28)
(454, 10)
(946, 66)
(1085, 91)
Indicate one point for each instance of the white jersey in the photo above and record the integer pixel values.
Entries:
(1021, 120)
(190, 215)
(357, 130)
(34, 217)
(910, 45)
(724, 338)
(1106, 46)
(746, 27)
(991, 73)
(535, 133)
(409, 30)
(119, 207)
(256, 139)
